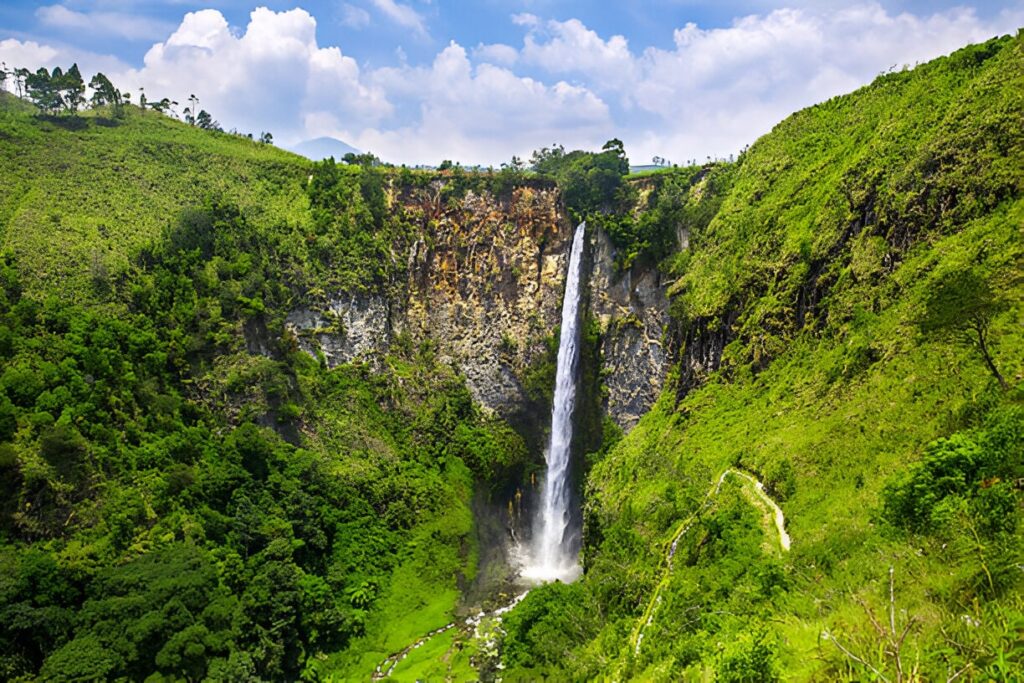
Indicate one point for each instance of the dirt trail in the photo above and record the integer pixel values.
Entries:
(758, 498)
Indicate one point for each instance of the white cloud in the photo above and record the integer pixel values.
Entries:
(403, 15)
(719, 89)
(354, 17)
(711, 92)
(274, 76)
(16, 54)
(496, 53)
(269, 77)
(525, 19)
(480, 114)
(206, 29)
(119, 24)
(32, 55)
(570, 47)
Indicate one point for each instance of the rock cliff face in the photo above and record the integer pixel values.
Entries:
(483, 282)
(632, 311)
(350, 327)
(487, 289)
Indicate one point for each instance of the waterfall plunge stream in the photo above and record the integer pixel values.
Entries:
(551, 554)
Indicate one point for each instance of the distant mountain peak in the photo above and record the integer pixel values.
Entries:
(323, 147)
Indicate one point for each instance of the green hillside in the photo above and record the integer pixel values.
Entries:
(95, 189)
(174, 503)
(857, 251)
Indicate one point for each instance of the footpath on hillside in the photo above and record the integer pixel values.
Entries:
(773, 520)
(754, 492)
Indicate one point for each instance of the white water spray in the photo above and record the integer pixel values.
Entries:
(551, 555)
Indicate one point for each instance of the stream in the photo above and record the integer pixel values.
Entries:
(387, 667)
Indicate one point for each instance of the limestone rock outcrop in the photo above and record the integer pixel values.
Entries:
(632, 311)
(483, 282)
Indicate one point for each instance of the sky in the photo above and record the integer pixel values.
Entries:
(419, 81)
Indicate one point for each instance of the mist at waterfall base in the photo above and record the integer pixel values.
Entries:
(551, 555)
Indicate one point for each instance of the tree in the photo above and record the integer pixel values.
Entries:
(54, 91)
(962, 308)
(148, 614)
(618, 150)
(56, 80)
(105, 94)
(589, 181)
(72, 89)
(547, 159)
(41, 89)
(366, 159)
(4, 73)
(163, 106)
(84, 658)
(266, 138)
(206, 122)
(20, 79)
(190, 111)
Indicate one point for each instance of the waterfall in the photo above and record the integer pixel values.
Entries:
(551, 554)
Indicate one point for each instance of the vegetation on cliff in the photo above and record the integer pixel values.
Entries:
(185, 494)
(848, 320)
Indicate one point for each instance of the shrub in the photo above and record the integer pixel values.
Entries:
(974, 467)
(748, 658)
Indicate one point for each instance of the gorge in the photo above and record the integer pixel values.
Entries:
(268, 419)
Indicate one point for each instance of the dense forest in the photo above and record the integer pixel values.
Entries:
(189, 495)
(176, 504)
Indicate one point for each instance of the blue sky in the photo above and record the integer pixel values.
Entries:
(417, 81)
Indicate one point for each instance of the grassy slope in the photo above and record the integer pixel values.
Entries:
(883, 192)
(77, 194)
(100, 190)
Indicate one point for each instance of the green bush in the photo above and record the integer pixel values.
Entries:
(976, 467)
(949, 468)
(551, 621)
(590, 182)
(748, 658)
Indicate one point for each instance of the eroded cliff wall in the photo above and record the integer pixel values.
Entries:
(483, 282)
(632, 310)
